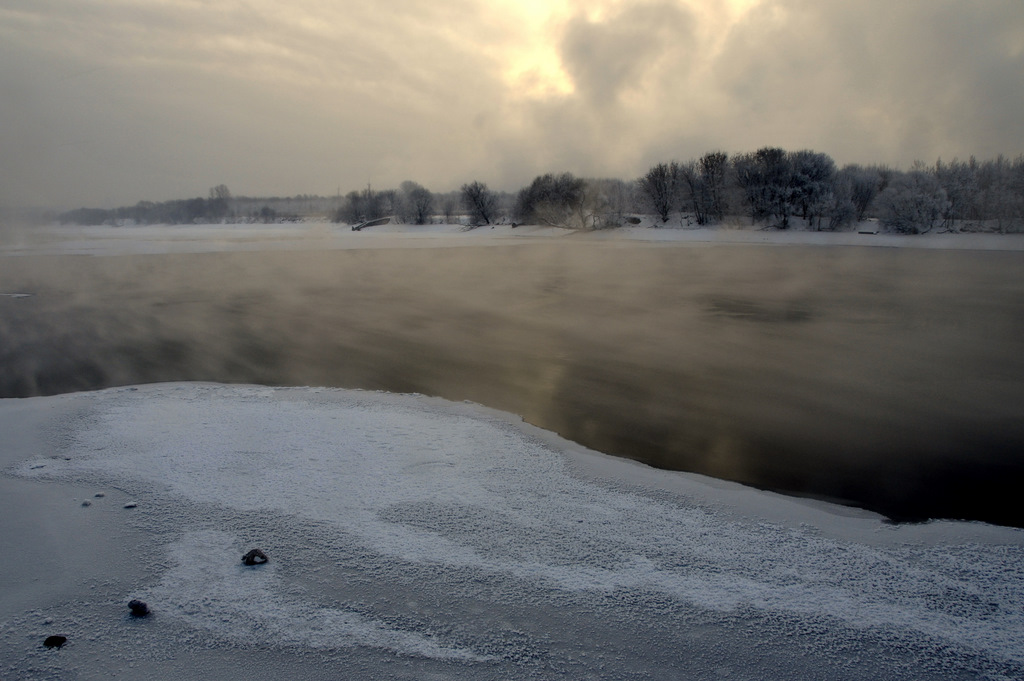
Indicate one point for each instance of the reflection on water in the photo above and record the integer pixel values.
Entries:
(892, 379)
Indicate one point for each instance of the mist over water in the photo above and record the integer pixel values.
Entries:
(887, 378)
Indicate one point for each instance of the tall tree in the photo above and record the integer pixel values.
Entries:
(480, 202)
(765, 176)
(702, 186)
(840, 208)
(448, 205)
(813, 174)
(960, 180)
(661, 188)
(221, 191)
(361, 206)
(865, 183)
(555, 200)
(418, 202)
(714, 167)
(693, 190)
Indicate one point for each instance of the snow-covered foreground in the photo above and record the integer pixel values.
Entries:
(411, 537)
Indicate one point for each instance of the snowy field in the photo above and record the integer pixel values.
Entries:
(416, 538)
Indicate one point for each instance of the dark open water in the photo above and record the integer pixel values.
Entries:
(886, 378)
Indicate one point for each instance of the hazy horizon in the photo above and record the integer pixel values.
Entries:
(116, 101)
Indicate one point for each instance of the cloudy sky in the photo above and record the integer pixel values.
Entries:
(108, 102)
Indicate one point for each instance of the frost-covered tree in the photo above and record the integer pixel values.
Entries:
(766, 179)
(608, 201)
(480, 202)
(1000, 193)
(811, 182)
(960, 182)
(865, 183)
(995, 200)
(841, 209)
(913, 203)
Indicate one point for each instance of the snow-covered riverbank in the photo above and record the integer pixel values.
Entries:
(411, 537)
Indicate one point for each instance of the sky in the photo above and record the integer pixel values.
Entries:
(109, 102)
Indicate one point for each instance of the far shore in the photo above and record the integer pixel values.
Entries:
(321, 234)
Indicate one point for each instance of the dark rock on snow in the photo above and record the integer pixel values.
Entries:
(255, 557)
(55, 641)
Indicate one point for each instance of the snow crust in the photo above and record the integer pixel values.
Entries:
(208, 587)
(383, 480)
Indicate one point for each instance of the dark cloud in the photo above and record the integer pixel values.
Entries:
(878, 80)
(618, 52)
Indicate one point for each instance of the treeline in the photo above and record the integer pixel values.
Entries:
(774, 186)
(771, 187)
(176, 212)
(219, 206)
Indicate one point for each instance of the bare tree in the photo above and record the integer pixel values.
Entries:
(661, 188)
(480, 202)
(217, 205)
(692, 188)
(221, 191)
(556, 200)
(702, 183)
(416, 203)
(448, 206)
(840, 207)
(361, 206)
(714, 166)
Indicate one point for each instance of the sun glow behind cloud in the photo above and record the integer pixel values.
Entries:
(529, 57)
(532, 67)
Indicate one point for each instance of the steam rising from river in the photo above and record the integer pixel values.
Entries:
(889, 378)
